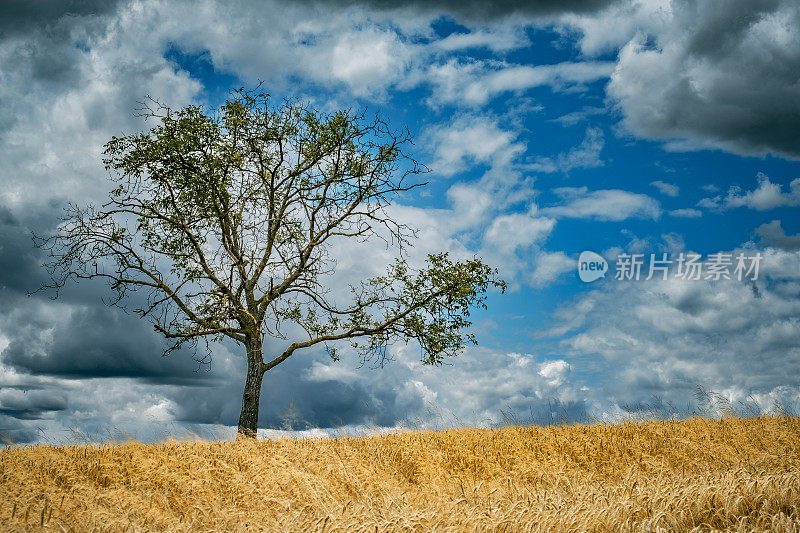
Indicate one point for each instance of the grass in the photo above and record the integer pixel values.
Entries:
(730, 474)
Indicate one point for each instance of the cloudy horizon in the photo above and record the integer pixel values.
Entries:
(549, 128)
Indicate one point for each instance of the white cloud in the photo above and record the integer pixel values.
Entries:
(494, 213)
(686, 213)
(497, 40)
(514, 243)
(482, 383)
(521, 360)
(471, 205)
(615, 26)
(479, 213)
(766, 196)
(521, 77)
(354, 48)
(368, 60)
(508, 233)
(668, 189)
(555, 372)
(472, 139)
(574, 117)
(282, 43)
(511, 241)
(331, 372)
(548, 267)
(585, 155)
(609, 204)
(476, 82)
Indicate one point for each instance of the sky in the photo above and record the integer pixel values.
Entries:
(624, 128)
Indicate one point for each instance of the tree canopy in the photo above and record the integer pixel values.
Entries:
(230, 218)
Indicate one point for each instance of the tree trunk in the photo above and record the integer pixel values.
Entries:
(248, 420)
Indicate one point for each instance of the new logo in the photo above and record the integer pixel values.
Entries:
(591, 266)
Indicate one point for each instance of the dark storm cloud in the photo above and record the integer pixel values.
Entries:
(7, 218)
(30, 404)
(92, 342)
(291, 401)
(720, 76)
(48, 39)
(87, 338)
(19, 261)
(21, 17)
(84, 339)
(12, 431)
(476, 9)
(716, 35)
(772, 234)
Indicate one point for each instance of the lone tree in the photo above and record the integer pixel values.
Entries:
(227, 220)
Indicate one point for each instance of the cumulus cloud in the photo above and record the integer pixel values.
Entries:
(52, 137)
(515, 243)
(666, 337)
(610, 204)
(555, 372)
(359, 47)
(490, 382)
(472, 139)
(766, 196)
(366, 61)
(496, 210)
(698, 76)
(507, 233)
(341, 48)
(494, 214)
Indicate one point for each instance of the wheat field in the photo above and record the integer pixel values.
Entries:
(732, 474)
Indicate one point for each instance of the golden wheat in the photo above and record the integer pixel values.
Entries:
(733, 474)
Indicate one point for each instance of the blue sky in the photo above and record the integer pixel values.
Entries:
(549, 129)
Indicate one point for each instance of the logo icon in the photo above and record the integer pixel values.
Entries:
(591, 266)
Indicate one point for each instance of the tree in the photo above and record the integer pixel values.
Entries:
(227, 219)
